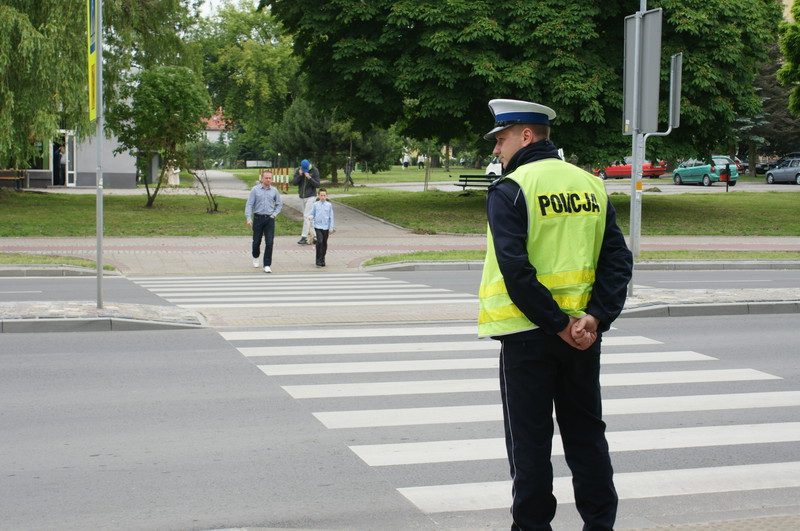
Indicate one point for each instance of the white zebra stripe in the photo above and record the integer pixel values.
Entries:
(632, 485)
(477, 385)
(437, 364)
(493, 412)
(622, 441)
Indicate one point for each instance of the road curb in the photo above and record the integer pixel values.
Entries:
(84, 316)
(54, 270)
(714, 309)
(712, 265)
(671, 265)
(87, 324)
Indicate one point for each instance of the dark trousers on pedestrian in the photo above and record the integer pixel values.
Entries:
(535, 374)
(321, 244)
(263, 226)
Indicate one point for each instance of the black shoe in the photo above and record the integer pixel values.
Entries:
(302, 241)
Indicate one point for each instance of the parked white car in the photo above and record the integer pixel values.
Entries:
(494, 167)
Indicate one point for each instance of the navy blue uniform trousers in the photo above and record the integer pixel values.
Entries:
(535, 374)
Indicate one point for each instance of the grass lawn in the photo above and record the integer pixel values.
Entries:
(395, 175)
(32, 214)
(732, 214)
(38, 214)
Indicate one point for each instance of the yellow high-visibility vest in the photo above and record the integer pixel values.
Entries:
(566, 222)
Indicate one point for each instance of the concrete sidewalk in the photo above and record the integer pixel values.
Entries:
(358, 238)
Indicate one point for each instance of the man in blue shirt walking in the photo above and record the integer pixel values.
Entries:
(263, 205)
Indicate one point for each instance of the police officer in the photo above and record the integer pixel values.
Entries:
(555, 277)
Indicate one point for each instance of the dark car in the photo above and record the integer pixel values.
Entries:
(764, 167)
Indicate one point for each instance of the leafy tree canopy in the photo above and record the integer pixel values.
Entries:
(250, 71)
(160, 110)
(433, 66)
(43, 64)
(779, 128)
(789, 74)
(327, 140)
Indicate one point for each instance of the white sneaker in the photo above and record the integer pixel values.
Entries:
(255, 262)
(267, 269)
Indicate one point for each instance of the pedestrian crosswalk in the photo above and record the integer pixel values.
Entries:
(405, 396)
(296, 290)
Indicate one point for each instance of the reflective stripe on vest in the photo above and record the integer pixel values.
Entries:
(566, 211)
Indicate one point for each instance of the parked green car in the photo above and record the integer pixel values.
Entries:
(700, 171)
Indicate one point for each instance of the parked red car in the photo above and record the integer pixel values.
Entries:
(622, 169)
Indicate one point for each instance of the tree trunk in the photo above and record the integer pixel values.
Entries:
(751, 159)
(152, 198)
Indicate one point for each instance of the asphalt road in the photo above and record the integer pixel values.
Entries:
(324, 425)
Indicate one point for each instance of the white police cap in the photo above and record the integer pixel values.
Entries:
(511, 112)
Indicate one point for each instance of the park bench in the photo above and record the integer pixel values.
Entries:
(18, 176)
(475, 181)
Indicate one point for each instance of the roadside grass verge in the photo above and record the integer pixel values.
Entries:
(46, 259)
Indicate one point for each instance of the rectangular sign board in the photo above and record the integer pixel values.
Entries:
(648, 70)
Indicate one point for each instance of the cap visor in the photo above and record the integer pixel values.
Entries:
(490, 134)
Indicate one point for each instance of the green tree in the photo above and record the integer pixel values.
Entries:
(789, 74)
(777, 130)
(42, 81)
(327, 140)
(432, 66)
(43, 65)
(160, 111)
(305, 133)
(250, 72)
(377, 149)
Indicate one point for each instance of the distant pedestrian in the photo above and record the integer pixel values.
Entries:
(322, 218)
(421, 162)
(406, 160)
(306, 178)
(348, 172)
(62, 166)
(263, 205)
